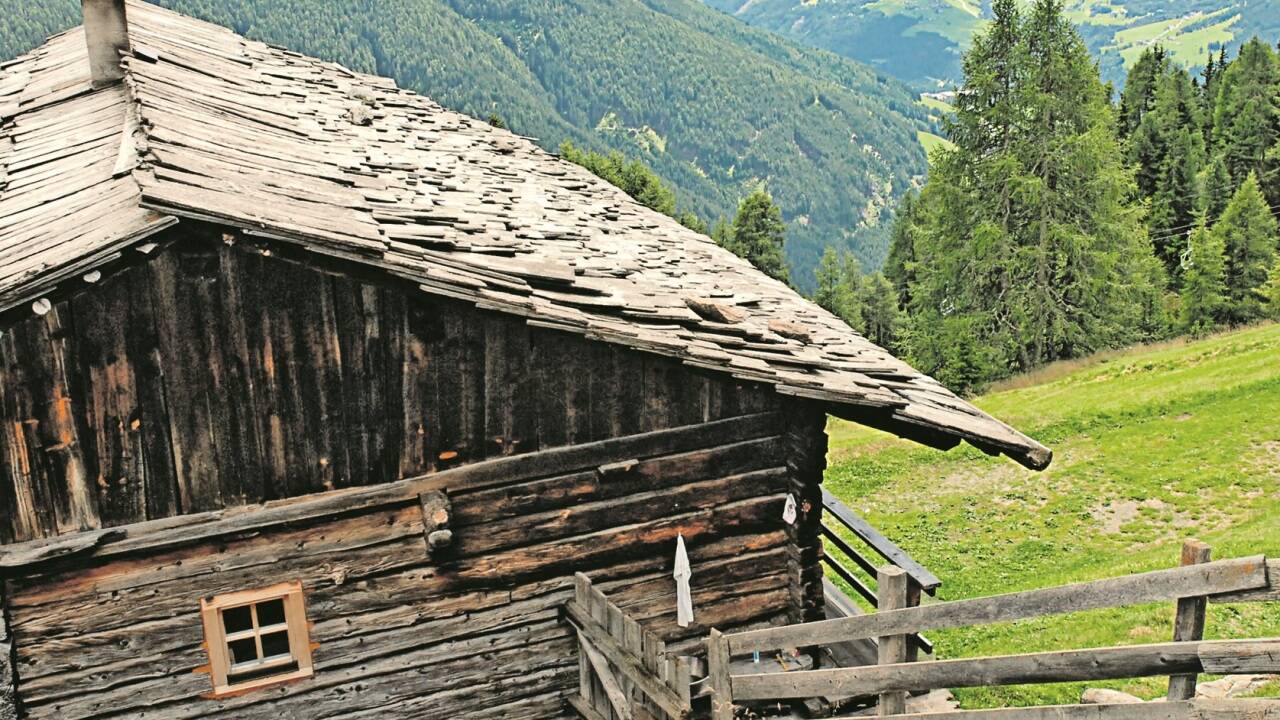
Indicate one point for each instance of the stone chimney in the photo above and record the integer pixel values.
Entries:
(106, 30)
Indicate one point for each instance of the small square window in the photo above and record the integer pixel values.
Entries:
(256, 638)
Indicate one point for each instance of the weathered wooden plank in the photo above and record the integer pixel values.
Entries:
(113, 449)
(51, 429)
(155, 463)
(1063, 666)
(1267, 593)
(891, 594)
(1222, 576)
(238, 408)
(718, 660)
(589, 624)
(1188, 623)
(1204, 709)
(191, 421)
(30, 514)
(618, 699)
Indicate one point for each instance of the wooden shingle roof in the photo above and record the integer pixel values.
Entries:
(211, 126)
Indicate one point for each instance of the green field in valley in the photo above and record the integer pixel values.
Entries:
(1152, 446)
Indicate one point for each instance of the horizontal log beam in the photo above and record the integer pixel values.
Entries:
(1261, 656)
(1223, 576)
(185, 530)
(1205, 709)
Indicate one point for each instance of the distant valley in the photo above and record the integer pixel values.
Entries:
(921, 41)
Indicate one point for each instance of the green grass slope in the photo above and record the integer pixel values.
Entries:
(921, 41)
(714, 106)
(1152, 446)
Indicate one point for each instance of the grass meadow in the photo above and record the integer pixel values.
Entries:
(1152, 446)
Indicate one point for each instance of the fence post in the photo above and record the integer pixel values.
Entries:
(586, 677)
(1189, 623)
(892, 595)
(914, 592)
(718, 676)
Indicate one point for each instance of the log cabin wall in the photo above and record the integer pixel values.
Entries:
(217, 375)
(474, 634)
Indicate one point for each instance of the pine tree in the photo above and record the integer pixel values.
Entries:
(1271, 291)
(1248, 233)
(877, 303)
(759, 235)
(839, 274)
(899, 267)
(1204, 287)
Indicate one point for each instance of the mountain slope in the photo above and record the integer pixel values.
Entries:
(713, 106)
(921, 41)
(1151, 446)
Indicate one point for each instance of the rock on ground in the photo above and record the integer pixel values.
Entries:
(1103, 696)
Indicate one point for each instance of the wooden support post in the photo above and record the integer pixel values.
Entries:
(586, 686)
(913, 600)
(718, 676)
(1189, 623)
(892, 595)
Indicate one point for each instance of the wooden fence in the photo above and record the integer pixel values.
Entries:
(918, 578)
(625, 671)
(1199, 581)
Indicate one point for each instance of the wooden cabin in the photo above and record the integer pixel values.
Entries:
(314, 396)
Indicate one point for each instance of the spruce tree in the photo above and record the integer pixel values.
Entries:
(1204, 287)
(1139, 91)
(1167, 147)
(1217, 189)
(759, 235)
(877, 303)
(1248, 233)
(1271, 291)
(899, 267)
(1246, 115)
(839, 275)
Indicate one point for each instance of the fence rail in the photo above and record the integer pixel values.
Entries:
(1198, 581)
(919, 579)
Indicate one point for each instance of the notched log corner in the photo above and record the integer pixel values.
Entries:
(437, 512)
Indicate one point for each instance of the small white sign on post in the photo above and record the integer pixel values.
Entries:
(789, 511)
(684, 596)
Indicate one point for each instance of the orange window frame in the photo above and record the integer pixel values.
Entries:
(222, 668)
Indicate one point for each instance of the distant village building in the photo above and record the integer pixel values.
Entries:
(315, 396)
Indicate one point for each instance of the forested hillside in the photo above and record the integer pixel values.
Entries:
(921, 41)
(714, 107)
